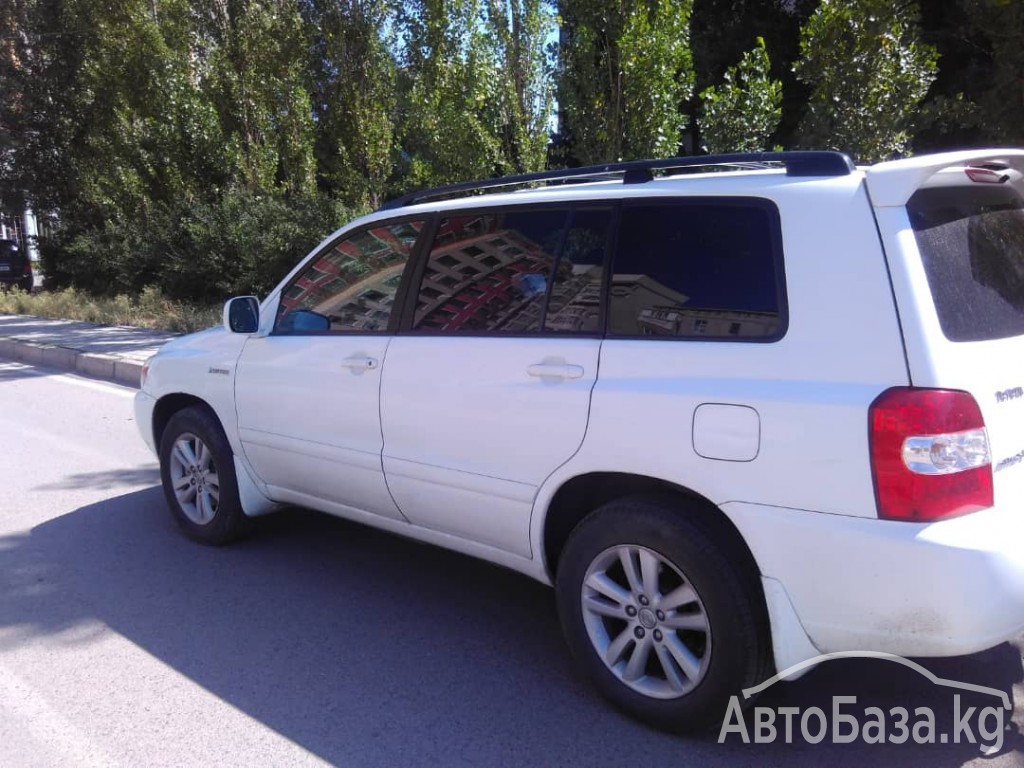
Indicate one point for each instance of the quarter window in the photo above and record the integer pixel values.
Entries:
(352, 286)
(696, 269)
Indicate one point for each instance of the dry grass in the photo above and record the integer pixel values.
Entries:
(150, 309)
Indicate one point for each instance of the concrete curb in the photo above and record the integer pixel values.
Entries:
(108, 367)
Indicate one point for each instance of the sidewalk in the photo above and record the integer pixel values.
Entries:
(111, 352)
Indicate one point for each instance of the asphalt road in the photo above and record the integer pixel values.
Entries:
(317, 640)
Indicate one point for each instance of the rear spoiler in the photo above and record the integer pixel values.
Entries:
(892, 183)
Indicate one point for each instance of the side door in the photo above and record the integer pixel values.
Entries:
(487, 390)
(307, 395)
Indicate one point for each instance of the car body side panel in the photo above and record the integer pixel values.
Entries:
(469, 434)
(201, 365)
(309, 422)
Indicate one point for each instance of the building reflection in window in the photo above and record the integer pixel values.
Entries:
(695, 270)
(354, 283)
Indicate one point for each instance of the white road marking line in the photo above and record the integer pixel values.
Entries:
(35, 715)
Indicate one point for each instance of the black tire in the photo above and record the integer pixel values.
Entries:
(217, 523)
(734, 652)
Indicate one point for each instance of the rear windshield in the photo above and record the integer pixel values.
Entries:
(971, 240)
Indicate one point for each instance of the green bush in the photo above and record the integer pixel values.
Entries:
(239, 243)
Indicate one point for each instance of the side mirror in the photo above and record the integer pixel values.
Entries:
(242, 314)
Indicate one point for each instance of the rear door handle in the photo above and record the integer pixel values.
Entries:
(555, 371)
(360, 363)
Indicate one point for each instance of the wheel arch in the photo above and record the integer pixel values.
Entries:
(706, 529)
(168, 405)
(253, 494)
(578, 496)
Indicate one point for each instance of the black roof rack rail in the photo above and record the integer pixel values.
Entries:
(796, 163)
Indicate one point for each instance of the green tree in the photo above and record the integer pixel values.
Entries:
(1000, 104)
(518, 31)
(14, 50)
(722, 31)
(355, 97)
(625, 73)
(449, 82)
(43, 104)
(152, 135)
(141, 119)
(253, 53)
(868, 72)
(742, 113)
(976, 99)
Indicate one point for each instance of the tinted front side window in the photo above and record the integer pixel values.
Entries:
(971, 240)
(489, 272)
(697, 270)
(351, 286)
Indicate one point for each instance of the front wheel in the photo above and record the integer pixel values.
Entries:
(197, 470)
(659, 614)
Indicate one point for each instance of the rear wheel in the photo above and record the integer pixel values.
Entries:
(197, 470)
(659, 614)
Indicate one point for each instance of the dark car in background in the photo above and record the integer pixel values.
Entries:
(15, 266)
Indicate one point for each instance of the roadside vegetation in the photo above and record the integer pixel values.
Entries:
(150, 309)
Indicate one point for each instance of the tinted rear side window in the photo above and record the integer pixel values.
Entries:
(700, 270)
(971, 240)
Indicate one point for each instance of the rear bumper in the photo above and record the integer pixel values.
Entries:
(857, 584)
(144, 405)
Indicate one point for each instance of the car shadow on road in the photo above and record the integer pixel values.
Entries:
(369, 649)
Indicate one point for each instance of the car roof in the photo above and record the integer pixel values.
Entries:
(890, 183)
(799, 163)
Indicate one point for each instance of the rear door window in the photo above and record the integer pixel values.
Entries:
(574, 302)
(971, 240)
(489, 272)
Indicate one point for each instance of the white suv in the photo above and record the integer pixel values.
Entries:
(739, 410)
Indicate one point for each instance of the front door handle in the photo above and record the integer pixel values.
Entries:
(555, 371)
(360, 363)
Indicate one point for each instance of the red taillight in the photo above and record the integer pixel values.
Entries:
(930, 455)
(28, 269)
